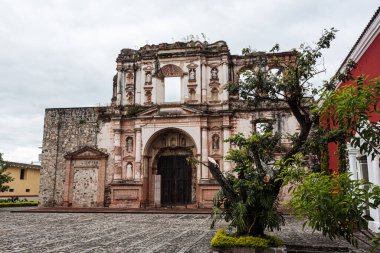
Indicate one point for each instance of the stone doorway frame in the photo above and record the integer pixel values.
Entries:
(151, 155)
(84, 154)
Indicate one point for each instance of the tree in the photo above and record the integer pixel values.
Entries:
(335, 204)
(249, 200)
(4, 177)
(349, 111)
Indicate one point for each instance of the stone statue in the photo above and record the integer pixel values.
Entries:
(148, 78)
(215, 141)
(129, 144)
(130, 98)
(214, 73)
(192, 74)
(129, 78)
(129, 171)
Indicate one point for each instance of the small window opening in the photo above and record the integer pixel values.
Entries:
(246, 75)
(172, 89)
(22, 174)
(27, 190)
(11, 190)
(263, 127)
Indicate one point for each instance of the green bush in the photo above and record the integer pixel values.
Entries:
(17, 204)
(274, 241)
(222, 240)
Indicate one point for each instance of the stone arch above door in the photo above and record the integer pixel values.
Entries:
(170, 70)
(163, 138)
(169, 141)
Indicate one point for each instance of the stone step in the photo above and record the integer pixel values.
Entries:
(312, 251)
(315, 249)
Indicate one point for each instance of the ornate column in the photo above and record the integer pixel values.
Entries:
(374, 177)
(376, 169)
(224, 79)
(123, 87)
(199, 167)
(119, 88)
(352, 153)
(139, 83)
(204, 83)
(138, 155)
(226, 145)
(117, 174)
(204, 174)
(154, 90)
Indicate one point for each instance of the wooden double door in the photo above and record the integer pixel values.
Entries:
(175, 180)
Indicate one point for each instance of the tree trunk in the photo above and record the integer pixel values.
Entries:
(227, 189)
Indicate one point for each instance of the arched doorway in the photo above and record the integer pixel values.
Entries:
(172, 179)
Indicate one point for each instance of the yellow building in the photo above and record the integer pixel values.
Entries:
(26, 181)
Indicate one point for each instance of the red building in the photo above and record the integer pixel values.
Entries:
(366, 54)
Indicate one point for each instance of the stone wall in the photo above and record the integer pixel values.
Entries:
(85, 187)
(65, 130)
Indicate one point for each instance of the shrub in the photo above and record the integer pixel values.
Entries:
(222, 240)
(18, 204)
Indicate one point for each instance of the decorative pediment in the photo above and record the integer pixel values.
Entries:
(86, 153)
(192, 110)
(192, 65)
(148, 67)
(214, 64)
(171, 111)
(215, 128)
(148, 111)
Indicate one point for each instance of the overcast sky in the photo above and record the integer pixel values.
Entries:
(62, 53)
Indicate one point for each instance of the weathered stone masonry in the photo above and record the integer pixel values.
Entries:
(132, 153)
(64, 131)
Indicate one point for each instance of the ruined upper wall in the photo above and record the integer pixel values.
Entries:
(203, 68)
(174, 50)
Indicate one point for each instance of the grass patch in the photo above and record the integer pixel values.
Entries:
(17, 204)
(222, 240)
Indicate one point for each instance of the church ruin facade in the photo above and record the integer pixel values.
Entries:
(168, 104)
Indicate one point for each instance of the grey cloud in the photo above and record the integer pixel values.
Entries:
(62, 53)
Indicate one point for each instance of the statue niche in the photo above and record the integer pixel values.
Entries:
(129, 175)
(192, 74)
(129, 143)
(215, 141)
(148, 78)
(214, 74)
(130, 98)
(214, 94)
(130, 79)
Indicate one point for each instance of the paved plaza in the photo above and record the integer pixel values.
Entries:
(124, 232)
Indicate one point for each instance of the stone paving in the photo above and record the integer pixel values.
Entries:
(124, 232)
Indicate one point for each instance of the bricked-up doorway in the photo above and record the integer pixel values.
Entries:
(175, 180)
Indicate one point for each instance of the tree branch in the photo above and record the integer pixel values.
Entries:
(227, 189)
